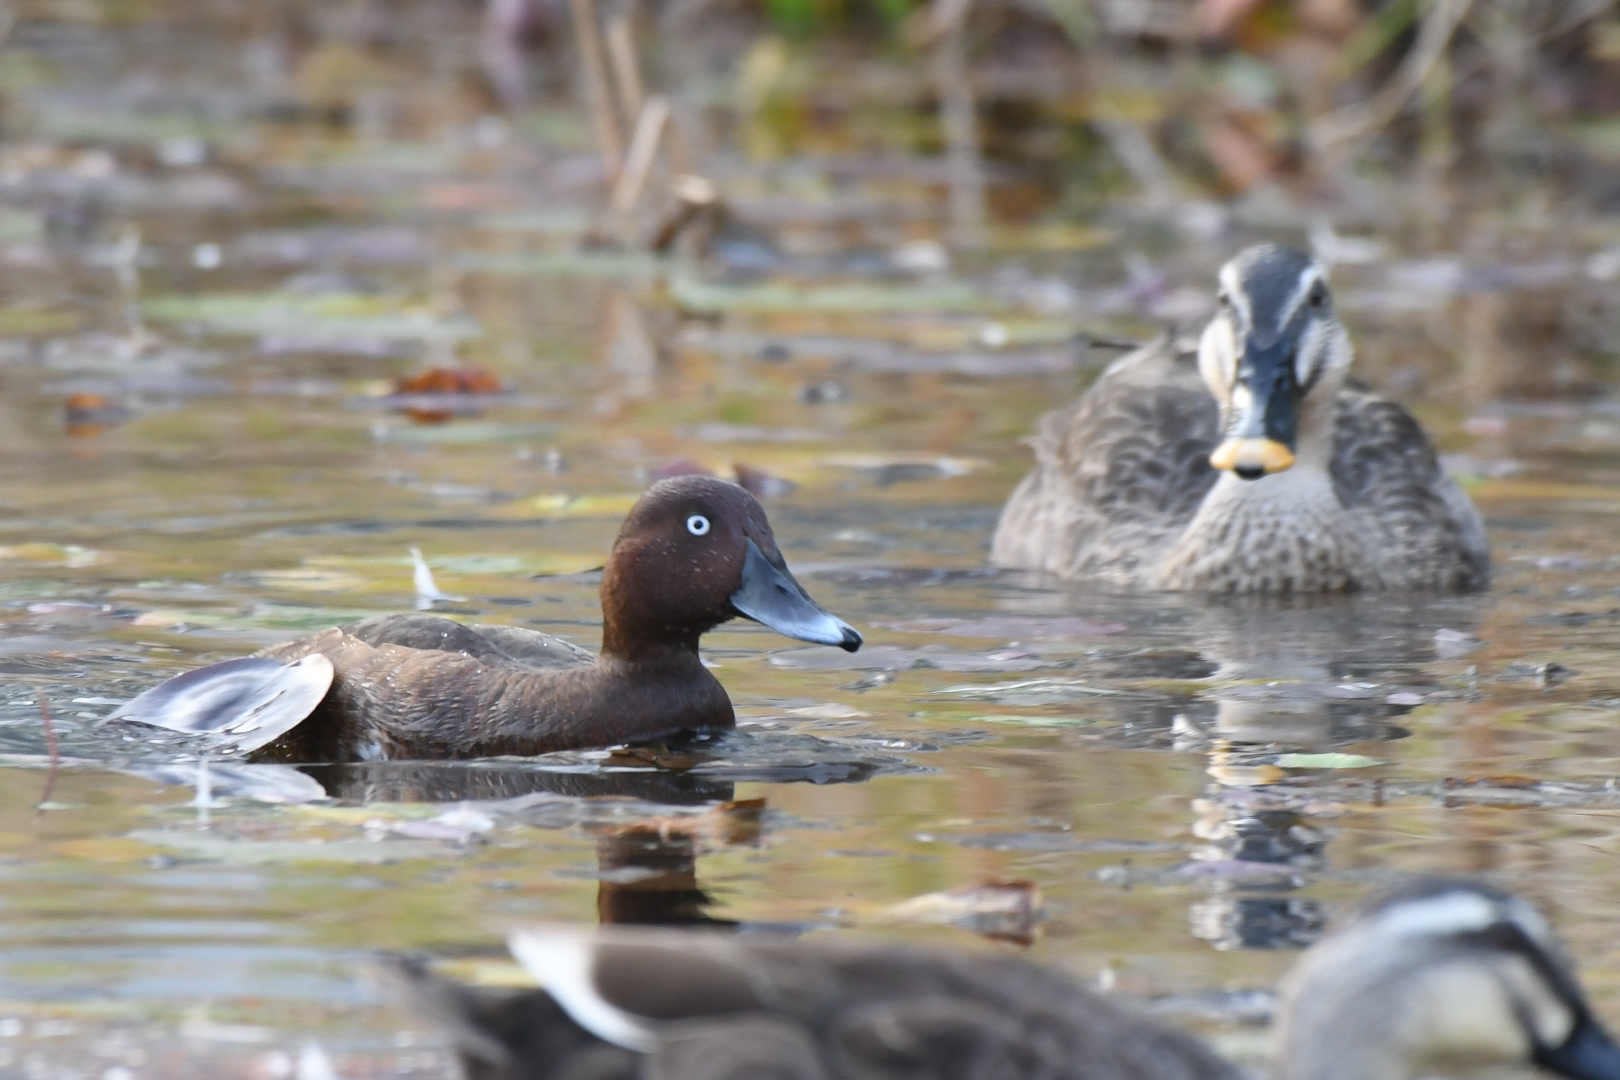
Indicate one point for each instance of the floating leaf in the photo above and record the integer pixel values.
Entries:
(865, 297)
(1032, 721)
(1001, 910)
(477, 431)
(308, 579)
(352, 315)
(1246, 775)
(556, 506)
(1028, 692)
(1006, 626)
(71, 555)
(585, 264)
(245, 852)
(1326, 761)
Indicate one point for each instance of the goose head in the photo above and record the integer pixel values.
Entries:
(1435, 975)
(1274, 356)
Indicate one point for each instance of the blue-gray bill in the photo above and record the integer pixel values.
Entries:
(1588, 1054)
(770, 596)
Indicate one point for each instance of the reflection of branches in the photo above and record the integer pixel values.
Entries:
(1357, 122)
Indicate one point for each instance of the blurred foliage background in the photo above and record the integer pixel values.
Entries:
(1394, 112)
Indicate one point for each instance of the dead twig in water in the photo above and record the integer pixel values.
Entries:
(1360, 122)
(693, 195)
(638, 160)
(621, 51)
(56, 756)
(598, 94)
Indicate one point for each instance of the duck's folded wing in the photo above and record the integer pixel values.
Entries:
(533, 648)
(529, 648)
(236, 706)
(1385, 466)
(1117, 474)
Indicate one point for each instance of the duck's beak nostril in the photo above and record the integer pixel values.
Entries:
(769, 595)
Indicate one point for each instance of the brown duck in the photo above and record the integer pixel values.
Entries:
(693, 553)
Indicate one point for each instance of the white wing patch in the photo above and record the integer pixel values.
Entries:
(563, 961)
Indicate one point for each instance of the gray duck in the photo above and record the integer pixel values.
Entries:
(693, 553)
(1435, 975)
(1254, 466)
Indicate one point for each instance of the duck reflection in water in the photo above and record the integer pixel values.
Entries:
(647, 873)
(1283, 675)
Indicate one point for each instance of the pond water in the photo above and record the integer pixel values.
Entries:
(1189, 788)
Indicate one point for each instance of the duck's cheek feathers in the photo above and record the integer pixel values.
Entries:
(1475, 1011)
(1217, 358)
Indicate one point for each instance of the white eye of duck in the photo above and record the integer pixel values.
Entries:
(697, 525)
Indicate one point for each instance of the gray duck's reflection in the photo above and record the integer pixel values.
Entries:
(1284, 678)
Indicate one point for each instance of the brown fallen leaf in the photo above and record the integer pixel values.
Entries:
(91, 414)
(1507, 781)
(445, 383)
(999, 910)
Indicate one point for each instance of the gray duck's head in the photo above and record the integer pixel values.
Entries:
(1272, 356)
(1434, 976)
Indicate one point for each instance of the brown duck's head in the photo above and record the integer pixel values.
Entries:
(695, 552)
(1273, 350)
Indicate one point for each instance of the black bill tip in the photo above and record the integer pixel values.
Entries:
(1588, 1054)
(770, 596)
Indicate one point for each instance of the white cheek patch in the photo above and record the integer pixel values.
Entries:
(1311, 359)
(1550, 1019)
(1217, 358)
(1459, 1012)
(1232, 285)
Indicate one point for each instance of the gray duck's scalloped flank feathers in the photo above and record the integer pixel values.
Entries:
(1252, 466)
(1440, 974)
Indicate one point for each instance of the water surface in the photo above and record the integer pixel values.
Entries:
(1194, 786)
